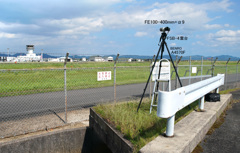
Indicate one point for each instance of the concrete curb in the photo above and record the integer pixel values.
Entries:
(110, 136)
(68, 140)
(190, 130)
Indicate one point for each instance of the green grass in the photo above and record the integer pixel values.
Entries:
(228, 91)
(51, 65)
(140, 128)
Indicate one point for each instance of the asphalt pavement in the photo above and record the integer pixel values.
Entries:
(226, 138)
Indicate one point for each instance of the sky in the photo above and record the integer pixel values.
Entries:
(127, 27)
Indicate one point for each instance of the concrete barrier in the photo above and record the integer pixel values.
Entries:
(110, 136)
(69, 140)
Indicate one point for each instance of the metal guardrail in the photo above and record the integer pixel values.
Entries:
(169, 103)
(194, 77)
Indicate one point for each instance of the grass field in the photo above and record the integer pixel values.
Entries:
(48, 65)
(47, 77)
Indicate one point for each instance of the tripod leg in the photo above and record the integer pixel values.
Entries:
(149, 78)
(173, 65)
(160, 66)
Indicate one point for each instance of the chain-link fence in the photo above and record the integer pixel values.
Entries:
(41, 99)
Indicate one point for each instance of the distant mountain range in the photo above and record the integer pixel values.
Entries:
(194, 57)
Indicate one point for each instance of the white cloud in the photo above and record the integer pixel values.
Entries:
(198, 43)
(227, 33)
(17, 26)
(216, 5)
(195, 17)
(77, 27)
(225, 37)
(7, 35)
(140, 34)
(212, 26)
(226, 25)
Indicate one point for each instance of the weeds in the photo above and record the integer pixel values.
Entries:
(140, 128)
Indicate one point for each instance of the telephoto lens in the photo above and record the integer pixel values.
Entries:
(165, 29)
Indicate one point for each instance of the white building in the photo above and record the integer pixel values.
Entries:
(53, 59)
(97, 59)
(84, 59)
(110, 59)
(12, 59)
(30, 56)
(60, 59)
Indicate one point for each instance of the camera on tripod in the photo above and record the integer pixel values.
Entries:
(162, 43)
(164, 29)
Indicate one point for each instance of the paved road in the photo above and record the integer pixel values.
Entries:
(44, 103)
(226, 138)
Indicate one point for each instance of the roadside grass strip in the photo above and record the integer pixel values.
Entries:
(139, 128)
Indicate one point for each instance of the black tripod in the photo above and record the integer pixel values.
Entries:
(161, 44)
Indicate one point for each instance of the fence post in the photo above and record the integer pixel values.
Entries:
(176, 82)
(226, 74)
(189, 70)
(65, 85)
(201, 68)
(115, 92)
(150, 90)
(213, 64)
(176, 65)
(237, 73)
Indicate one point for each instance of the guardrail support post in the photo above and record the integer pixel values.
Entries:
(170, 126)
(226, 74)
(201, 103)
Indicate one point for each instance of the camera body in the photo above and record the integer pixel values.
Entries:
(164, 29)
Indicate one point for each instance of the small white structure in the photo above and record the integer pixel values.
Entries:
(110, 59)
(61, 59)
(53, 60)
(99, 59)
(84, 59)
(12, 59)
(130, 59)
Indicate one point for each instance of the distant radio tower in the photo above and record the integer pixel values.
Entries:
(8, 51)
